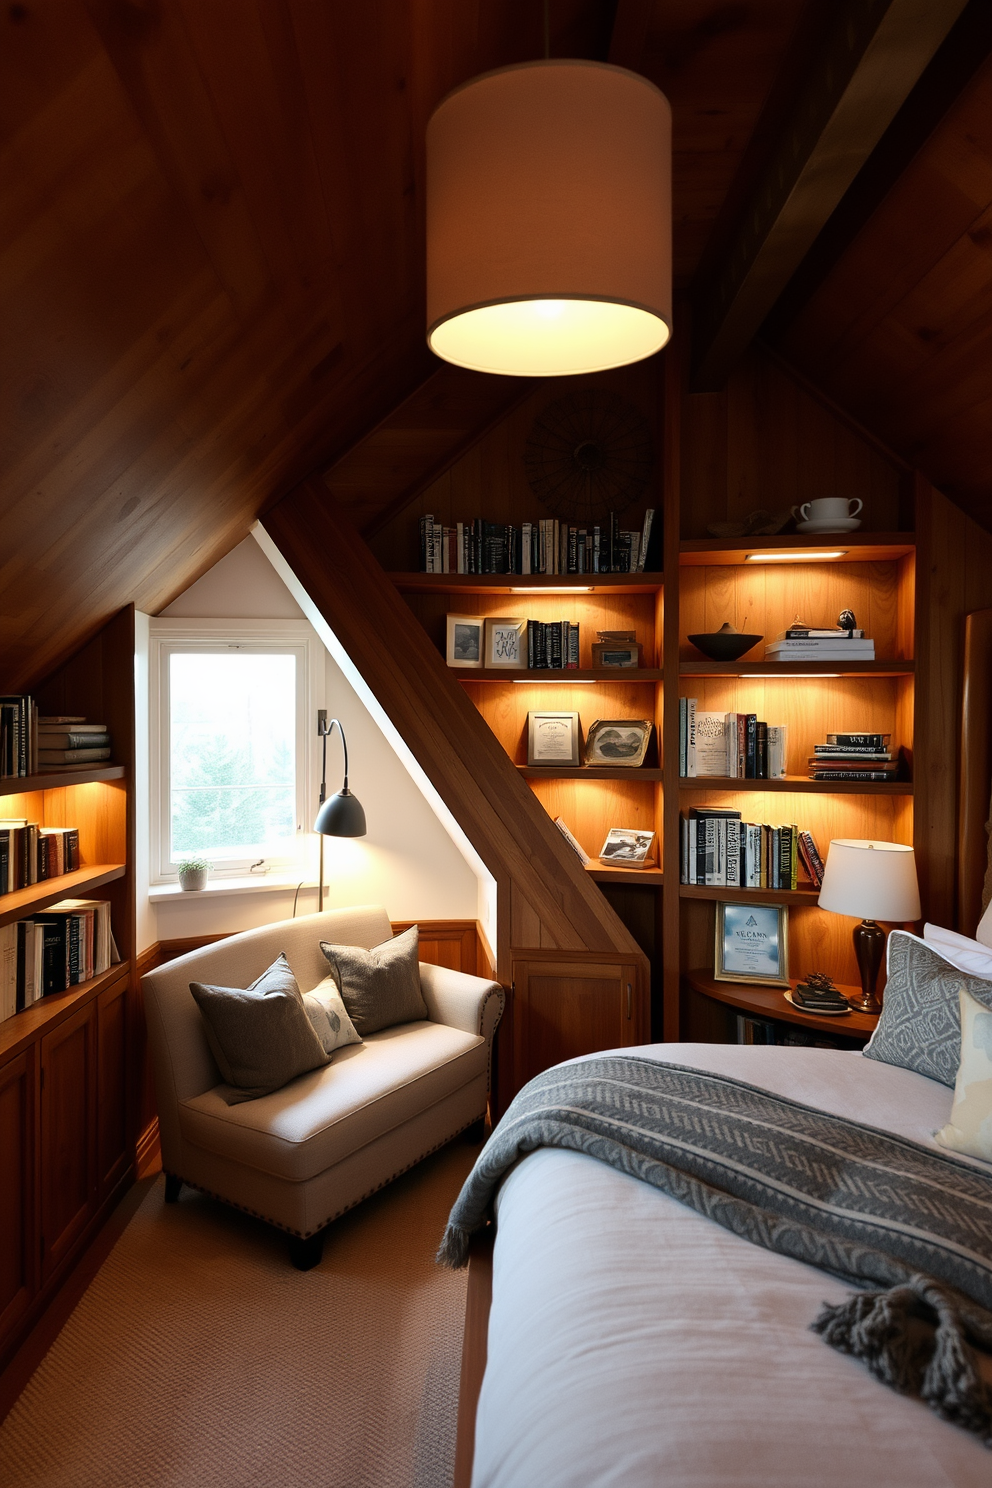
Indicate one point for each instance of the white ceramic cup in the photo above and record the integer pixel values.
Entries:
(828, 509)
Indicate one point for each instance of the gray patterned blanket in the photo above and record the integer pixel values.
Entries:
(912, 1226)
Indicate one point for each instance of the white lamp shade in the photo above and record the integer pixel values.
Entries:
(549, 225)
(871, 881)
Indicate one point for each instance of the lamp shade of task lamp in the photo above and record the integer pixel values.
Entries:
(342, 815)
(549, 220)
(876, 881)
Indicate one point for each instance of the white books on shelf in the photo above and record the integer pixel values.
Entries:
(711, 744)
(580, 851)
(8, 970)
(778, 748)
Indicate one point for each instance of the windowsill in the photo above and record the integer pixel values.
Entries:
(255, 884)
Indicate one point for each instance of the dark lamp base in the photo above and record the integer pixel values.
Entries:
(869, 947)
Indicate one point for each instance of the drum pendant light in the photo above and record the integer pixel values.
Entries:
(549, 220)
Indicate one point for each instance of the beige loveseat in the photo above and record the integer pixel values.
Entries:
(303, 1155)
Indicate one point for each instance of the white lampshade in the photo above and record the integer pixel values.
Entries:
(549, 220)
(871, 881)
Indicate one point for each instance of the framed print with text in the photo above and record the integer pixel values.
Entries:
(506, 643)
(752, 944)
(552, 738)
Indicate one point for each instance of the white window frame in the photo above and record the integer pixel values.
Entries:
(168, 636)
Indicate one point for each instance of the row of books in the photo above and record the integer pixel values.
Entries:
(547, 546)
(69, 943)
(720, 850)
(739, 746)
(767, 1031)
(29, 853)
(855, 757)
(32, 745)
(552, 645)
(801, 643)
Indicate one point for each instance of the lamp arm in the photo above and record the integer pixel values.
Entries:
(325, 729)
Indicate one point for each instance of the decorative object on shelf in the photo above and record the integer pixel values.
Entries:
(627, 847)
(845, 642)
(343, 815)
(573, 843)
(822, 1010)
(759, 523)
(819, 995)
(506, 643)
(752, 944)
(549, 220)
(466, 634)
(828, 514)
(726, 644)
(847, 620)
(872, 881)
(553, 738)
(616, 648)
(618, 741)
(589, 454)
(193, 874)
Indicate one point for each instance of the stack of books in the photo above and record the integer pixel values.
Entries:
(552, 645)
(29, 854)
(800, 643)
(68, 944)
(722, 851)
(18, 735)
(738, 746)
(543, 547)
(854, 757)
(68, 743)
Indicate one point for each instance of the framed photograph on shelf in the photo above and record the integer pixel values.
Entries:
(465, 640)
(752, 944)
(506, 643)
(616, 654)
(618, 741)
(552, 738)
(626, 847)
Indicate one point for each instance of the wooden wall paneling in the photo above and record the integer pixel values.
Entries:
(505, 709)
(591, 808)
(565, 1007)
(674, 471)
(18, 1187)
(452, 943)
(68, 1134)
(976, 768)
(116, 1134)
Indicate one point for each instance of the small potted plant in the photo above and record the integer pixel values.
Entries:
(193, 874)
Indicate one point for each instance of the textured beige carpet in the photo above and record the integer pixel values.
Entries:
(198, 1356)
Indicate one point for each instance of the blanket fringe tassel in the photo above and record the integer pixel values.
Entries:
(453, 1250)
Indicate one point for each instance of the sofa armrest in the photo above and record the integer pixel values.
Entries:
(473, 1004)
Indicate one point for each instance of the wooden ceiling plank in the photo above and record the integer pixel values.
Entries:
(875, 55)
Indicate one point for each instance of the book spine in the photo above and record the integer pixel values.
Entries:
(683, 736)
(573, 647)
(733, 873)
(690, 763)
(750, 746)
(777, 746)
(852, 741)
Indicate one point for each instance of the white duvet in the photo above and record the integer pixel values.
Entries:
(634, 1343)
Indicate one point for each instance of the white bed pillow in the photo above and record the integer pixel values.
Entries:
(967, 955)
(970, 1127)
(984, 931)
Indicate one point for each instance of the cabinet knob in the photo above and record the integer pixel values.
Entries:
(629, 996)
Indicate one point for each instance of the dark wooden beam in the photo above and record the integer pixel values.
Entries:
(873, 55)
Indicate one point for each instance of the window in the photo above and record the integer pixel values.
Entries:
(232, 750)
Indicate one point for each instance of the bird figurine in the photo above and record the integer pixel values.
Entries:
(847, 620)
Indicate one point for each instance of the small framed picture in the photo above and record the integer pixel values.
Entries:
(752, 944)
(552, 738)
(465, 637)
(618, 741)
(506, 643)
(616, 654)
(627, 848)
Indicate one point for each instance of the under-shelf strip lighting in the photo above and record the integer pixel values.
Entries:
(554, 589)
(794, 557)
(558, 681)
(783, 676)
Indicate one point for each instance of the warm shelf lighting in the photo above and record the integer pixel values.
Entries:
(783, 676)
(554, 589)
(549, 220)
(794, 557)
(559, 681)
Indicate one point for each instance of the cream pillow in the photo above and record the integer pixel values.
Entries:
(967, 955)
(329, 1016)
(970, 1127)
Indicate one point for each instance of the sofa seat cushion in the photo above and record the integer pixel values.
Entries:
(322, 1117)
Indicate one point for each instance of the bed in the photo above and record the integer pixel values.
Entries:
(633, 1342)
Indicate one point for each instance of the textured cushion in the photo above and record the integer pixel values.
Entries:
(920, 1024)
(381, 987)
(970, 1127)
(329, 1016)
(966, 955)
(325, 1116)
(260, 1035)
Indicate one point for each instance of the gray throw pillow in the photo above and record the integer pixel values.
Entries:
(260, 1035)
(380, 987)
(919, 1027)
(329, 1016)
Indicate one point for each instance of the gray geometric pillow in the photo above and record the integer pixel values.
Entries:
(920, 1024)
(381, 987)
(329, 1016)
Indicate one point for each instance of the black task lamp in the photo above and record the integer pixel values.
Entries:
(342, 815)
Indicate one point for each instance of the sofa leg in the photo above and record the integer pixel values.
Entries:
(173, 1188)
(305, 1254)
(476, 1132)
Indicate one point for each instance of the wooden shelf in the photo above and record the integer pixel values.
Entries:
(799, 784)
(806, 896)
(588, 772)
(17, 785)
(860, 547)
(744, 669)
(21, 903)
(603, 873)
(533, 677)
(23, 1027)
(577, 584)
(769, 1002)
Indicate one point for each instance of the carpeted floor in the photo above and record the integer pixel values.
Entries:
(198, 1356)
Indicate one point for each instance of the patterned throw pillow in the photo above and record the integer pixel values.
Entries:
(920, 1024)
(329, 1016)
(380, 987)
(970, 1127)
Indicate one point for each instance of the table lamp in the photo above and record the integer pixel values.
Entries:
(876, 880)
(342, 815)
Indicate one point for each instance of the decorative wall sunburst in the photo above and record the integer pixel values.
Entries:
(588, 454)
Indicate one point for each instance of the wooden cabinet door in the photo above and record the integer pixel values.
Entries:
(112, 1126)
(18, 1233)
(565, 1005)
(68, 1133)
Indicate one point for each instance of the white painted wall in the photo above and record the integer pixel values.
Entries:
(412, 861)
